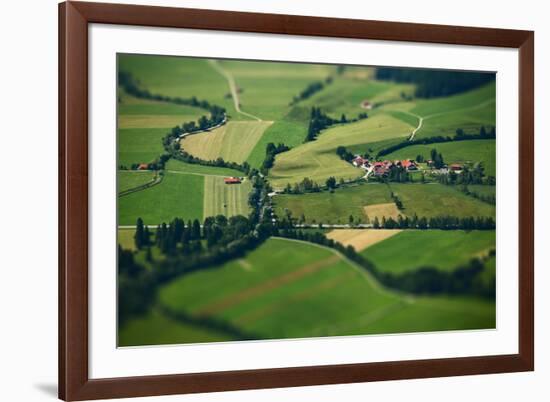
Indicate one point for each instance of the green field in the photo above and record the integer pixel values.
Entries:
(142, 113)
(412, 249)
(317, 159)
(288, 288)
(179, 166)
(177, 196)
(470, 151)
(437, 199)
(288, 132)
(333, 208)
(442, 116)
(424, 200)
(291, 289)
(179, 77)
(345, 95)
(139, 145)
(268, 87)
(233, 141)
(132, 179)
(225, 199)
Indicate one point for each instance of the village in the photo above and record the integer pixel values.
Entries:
(383, 168)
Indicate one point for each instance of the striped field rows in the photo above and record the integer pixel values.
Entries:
(225, 199)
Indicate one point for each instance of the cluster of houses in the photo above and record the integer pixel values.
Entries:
(382, 168)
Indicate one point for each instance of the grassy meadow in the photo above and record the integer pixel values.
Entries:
(424, 200)
(257, 281)
(442, 249)
(281, 289)
(462, 152)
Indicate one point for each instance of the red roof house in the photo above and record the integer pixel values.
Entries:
(143, 166)
(232, 180)
(455, 167)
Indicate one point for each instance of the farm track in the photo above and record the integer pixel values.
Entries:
(232, 87)
(421, 119)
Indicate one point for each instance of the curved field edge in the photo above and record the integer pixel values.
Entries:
(293, 289)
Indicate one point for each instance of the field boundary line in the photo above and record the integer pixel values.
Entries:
(377, 286)
(232, 87)
(156, 180)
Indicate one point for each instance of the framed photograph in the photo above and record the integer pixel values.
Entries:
(259, 200)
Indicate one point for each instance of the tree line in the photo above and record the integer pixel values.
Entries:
(460, 135)
(319, 121)
(131, 86)
(310, 90)
(444, 222)
(270, 152)
(435, 83)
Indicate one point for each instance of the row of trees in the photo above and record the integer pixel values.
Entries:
(344, 154)
(310, 90)
(460, 135)
(487, 198)
(435, 83)
(270, 152)
(468, 175)
(131, 86)
(445, 222)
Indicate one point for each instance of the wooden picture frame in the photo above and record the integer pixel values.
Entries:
(74, 381)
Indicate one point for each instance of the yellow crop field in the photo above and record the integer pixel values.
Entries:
(360, 239)
(233, 141)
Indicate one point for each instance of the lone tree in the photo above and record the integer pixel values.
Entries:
(140, 236)
(331, 182)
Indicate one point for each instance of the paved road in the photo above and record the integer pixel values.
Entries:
(232, 88)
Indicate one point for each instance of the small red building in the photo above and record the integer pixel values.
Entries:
(143, 166)
(455, 167)
(232, 180)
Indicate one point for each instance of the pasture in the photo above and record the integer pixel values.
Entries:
(179, 77)
(317, 159)
(142, 113)
(333, 208)
(266, 88)
(225, 199)
(346, 94)
(361, 239)
(233, 141)
(470, 151)
(177, 196)
(128, 179)
(174, 165)
(436, 199)
(139, 145)
(292, 289)
(446, 250)
(288, 132)
(442, 116)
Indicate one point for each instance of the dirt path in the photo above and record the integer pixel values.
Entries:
(232, 87)
(254, 291)
(421, 119)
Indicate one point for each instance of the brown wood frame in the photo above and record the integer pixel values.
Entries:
(74, 382)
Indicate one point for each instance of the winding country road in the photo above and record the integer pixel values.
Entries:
(232, 87)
